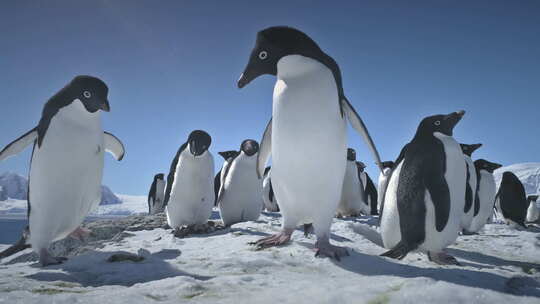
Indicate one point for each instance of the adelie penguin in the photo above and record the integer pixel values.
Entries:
(470, 186)
(218, 179)
(189, 195)
(485, 194)
(156, 196)
(370, 191)
(425, 195)
(532, 212)
(308, 124)
(269, 199)
(383, 182)
(240, 194)
(510, 201)
(353, 197)
(66, 166)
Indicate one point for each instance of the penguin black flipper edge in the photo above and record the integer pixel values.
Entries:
(265, 149)
(19, 144)
(360, 127)
(440, 196)
(114, 146)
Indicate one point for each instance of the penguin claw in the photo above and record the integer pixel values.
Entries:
(442, 258)
(325, 249)
(271, 241)
(399, 252)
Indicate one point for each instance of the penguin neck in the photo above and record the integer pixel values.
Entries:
(75, 113)
(295, 66)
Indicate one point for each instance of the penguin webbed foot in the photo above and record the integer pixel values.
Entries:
(399, 252)
(279, 239)
(325, 249)
(442, 258)
(46, 259)
(465, 232)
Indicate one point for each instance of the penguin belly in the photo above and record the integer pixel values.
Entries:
(467, 217)
(352, 197)
(242, 200)
(390, 222)
(65, 177)
(192, 195)
(532, 212)
(309, 147)
(382, 185)
(455, 175)
(486, 195)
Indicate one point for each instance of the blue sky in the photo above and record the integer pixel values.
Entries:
(172, 67)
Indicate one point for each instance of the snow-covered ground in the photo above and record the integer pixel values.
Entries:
(501, 265)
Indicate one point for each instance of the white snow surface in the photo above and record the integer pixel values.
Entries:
(501, 265)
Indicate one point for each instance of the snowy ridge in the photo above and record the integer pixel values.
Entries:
(528, 174)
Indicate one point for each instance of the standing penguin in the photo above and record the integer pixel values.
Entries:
(371, 196)
(532, 211)
(485, 194)
(189, 196)
(227, 156)
(308, 125)
(511, 201)
(269, 199)
(425, 194)
(353, 197)
(240, 194)
(470, 185)
(66, 167)
(383, 182)
(156, 195)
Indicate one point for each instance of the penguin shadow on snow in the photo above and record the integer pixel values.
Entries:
(93, 269)
(492, 261)
(370, 265)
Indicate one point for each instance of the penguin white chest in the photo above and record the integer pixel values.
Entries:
(65, 174)
(308, 140)
(352, 197)
(455, 176)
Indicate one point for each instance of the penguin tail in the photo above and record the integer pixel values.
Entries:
(399, 251)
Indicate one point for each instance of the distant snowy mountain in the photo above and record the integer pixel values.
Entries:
(15, 186)
(528, 174)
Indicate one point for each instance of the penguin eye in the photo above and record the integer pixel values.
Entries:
(438, 123)
(263, 55)
(87, 94)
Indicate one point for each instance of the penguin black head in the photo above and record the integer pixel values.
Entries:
(272, 44)
(351, 154)
(361, 166)
(228, 154)
(91, 91)
(469, 149)
(439, 123)
(387, 164)
(249, 147)
(532, 198)
(482, 164)
(159, 176)
(199, 142)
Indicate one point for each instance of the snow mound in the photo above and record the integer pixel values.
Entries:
(528, 174)
(501, 265)
(15, 187)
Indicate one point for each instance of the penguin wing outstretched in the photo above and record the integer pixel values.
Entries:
(360, 127)
(265, 149)
(114, 146)
(19, 144)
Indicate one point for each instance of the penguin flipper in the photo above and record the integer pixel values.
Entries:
(225, 170)
(371, 192)
(360, 127)
(217, 185)
(114, 146)
(440, 196)
(265, 149)
(19, 144)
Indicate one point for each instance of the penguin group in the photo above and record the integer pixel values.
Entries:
(430, 194)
